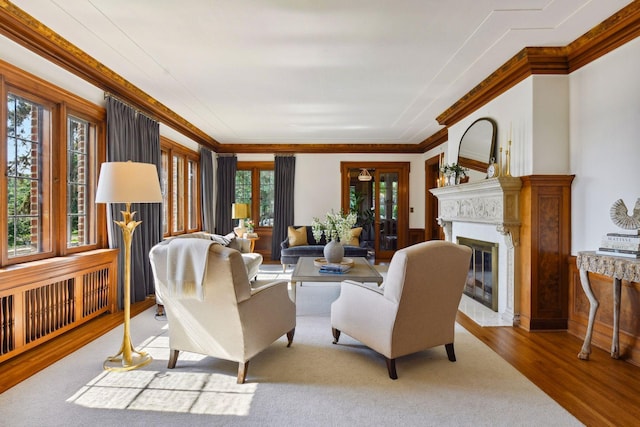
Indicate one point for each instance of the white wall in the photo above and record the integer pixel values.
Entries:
(317, 186)
(604, 142)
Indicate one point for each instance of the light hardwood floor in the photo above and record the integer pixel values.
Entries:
(599, 392)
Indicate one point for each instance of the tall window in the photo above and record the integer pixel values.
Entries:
(180, 189)
(28, 148)
(81, 167)
(255, 185)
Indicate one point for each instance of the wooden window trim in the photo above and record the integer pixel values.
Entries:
(255, 168)
(173, 149)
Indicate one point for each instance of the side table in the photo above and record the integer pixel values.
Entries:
(619, 269)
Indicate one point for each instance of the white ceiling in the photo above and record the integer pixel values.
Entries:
(313, 71)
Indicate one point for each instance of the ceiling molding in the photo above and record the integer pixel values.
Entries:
(319, 148)
(610, 34)
(27, 31)
(615, 31)
(434, 140)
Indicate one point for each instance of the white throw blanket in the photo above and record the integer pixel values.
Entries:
(186, 267)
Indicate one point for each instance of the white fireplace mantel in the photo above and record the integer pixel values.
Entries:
(494, 201)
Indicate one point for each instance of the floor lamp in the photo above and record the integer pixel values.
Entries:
(128, 182)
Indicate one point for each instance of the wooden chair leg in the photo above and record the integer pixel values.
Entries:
(290, 335)
(242, 371)
(450, 353)
(336, 335)
(173, 358)
(391, 367)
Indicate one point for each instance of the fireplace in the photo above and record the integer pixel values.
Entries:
(482, 279)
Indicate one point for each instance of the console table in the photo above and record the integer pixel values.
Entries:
(619, 269)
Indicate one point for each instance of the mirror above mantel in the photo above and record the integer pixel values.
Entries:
(478, 145)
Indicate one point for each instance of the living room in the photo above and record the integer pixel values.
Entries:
(569, 114)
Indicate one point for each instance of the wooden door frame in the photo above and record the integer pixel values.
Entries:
(430, 201)
(403, 169)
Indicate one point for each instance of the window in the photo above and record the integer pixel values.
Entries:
(28, 145)
(81, 167)
(255, 185)
(48, 170)
(180, 188)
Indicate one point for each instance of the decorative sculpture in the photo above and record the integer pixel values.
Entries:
(620, 215)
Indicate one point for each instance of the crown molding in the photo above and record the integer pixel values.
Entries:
(27, 31)
(343, 148)
(610, 34)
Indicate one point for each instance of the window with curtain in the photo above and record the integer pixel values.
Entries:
(47, 157)
(180, 183)
(255, 186)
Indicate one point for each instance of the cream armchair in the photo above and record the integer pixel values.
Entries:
(415, 308)
(211, 307)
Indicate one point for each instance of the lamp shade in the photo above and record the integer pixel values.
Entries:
(128, 182)
(364, 175)
(240, 211)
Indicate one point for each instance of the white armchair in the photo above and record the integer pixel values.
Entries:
(415, 309)
(210, 305)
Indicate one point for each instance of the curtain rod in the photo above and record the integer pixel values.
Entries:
(128, 104)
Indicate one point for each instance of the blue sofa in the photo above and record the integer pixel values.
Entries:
(289, 254)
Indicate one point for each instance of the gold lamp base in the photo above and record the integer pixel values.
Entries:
(128, 358)
(119, 363)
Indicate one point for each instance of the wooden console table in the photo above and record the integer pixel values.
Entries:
(619, 269)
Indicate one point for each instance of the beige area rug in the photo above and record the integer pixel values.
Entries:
(313, 383)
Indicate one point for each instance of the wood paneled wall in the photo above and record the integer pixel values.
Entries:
(545, 244)
(602, 287)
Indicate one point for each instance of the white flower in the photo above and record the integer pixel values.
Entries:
(336, 226)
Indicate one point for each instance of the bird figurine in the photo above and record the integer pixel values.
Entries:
(620, 215)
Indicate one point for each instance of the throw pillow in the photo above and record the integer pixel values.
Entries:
(297, 236)
(355, 237)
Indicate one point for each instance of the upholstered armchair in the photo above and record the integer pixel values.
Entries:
(415, 307)
(211, 307)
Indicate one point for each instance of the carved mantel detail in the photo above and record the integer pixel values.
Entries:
(492, 201)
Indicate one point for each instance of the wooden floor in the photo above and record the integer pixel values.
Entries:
(599, 392)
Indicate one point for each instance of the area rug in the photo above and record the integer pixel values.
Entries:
(313, 383)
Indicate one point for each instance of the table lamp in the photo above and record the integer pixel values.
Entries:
(240, 211)
(128, 182)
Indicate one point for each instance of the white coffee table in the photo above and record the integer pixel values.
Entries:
(307, 271)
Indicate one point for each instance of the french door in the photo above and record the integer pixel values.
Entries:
(382, 203)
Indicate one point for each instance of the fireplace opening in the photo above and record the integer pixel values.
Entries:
(482, 279)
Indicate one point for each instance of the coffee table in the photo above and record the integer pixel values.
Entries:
(307, 271)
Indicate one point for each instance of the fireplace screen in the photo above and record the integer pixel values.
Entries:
(482, 279)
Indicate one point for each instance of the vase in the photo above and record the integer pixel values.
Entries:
(333, 251)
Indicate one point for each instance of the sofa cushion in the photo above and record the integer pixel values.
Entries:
(355, 237)
(297, 236)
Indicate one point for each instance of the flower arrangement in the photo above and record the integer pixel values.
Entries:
(454, 169)
(250, 225)
(336, 226)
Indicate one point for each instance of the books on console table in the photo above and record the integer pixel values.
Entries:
(618, 252)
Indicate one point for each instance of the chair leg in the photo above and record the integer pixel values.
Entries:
(290, 335)
(450, 353)
(173, 358)
(336, 335)
(242, 371)
(391, 367)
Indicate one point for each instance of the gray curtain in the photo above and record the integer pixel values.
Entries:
(226, 173)
(207, 194)
(133, 136)
(285, 173)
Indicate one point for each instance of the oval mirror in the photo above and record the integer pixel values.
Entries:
(478, 145)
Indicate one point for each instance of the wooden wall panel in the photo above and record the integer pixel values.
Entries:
(545, 241)
(602, 287)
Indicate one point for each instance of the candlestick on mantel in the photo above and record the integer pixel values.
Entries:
(500, 162)
(508, 159)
